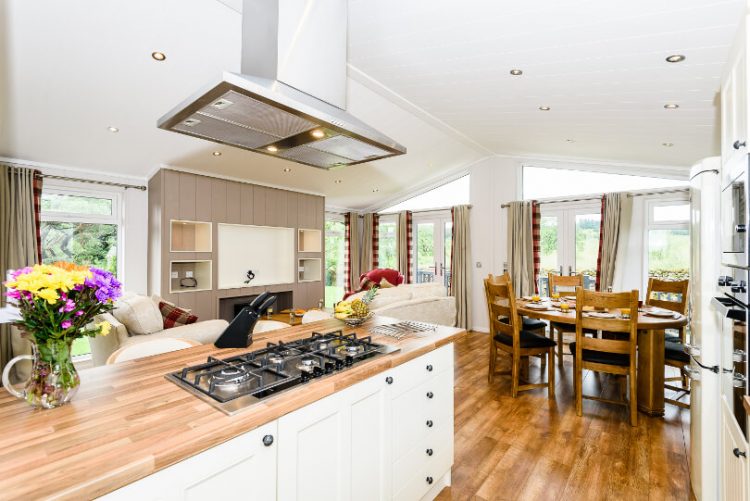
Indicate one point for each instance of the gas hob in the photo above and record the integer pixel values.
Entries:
(235, 383)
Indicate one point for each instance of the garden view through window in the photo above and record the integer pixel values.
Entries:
(81, 230)
(335, 232)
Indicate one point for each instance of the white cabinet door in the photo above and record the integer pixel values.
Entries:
(735, 469)
(242, 468)
(315, 451)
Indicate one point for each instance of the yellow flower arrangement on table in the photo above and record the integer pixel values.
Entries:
(58, 304)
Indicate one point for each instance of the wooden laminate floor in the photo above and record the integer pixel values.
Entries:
(533, 448)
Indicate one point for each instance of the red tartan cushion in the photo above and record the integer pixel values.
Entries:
(174, 316)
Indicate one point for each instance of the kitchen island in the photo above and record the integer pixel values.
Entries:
(131, 431)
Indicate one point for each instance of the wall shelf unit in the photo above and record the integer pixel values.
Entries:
(309, 240)
(189, 236)
(309, 269)
(181, 271)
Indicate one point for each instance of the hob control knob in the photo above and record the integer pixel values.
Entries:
(429, 480)
(429, 368)
(429, 452)
(429, 423)
(389, 380)
(430, 394)
(268, 440)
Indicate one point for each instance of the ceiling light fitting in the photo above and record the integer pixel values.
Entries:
(272, 149)
(668, 145)
(671, 106)
(158, 56)
(516, 72)
(338, 181)
(216, 153)
(318, 133)
(287, 169)
(544, 108)
(675, 58)
(113, 129)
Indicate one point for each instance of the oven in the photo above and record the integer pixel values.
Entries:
(734, 236)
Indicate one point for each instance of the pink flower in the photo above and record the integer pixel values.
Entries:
(66, 324)
(79, 313)
(68, 306)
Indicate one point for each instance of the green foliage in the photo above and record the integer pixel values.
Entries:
(80, 243)
(425, 246)
(387, 257)
(334, 253)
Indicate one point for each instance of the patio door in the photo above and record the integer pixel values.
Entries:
(569, 241)
(431, 244)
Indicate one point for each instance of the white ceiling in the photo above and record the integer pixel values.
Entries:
(69, 69)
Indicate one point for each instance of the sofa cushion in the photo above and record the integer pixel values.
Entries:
(174, 316)
(205, 332)
(426, 290)
(384, 297)
(139, 314)
(385, 284)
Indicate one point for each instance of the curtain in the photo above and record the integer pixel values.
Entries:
(367, 244)
(460, 284)
(347, 253)
(403, 245)
(20, 245)
(629, 250)
(521, 262)
(375, 240)
(609, 237)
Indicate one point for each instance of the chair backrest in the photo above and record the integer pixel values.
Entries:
(612, 301)
(501, 306)
(670, 294)
(562, 283)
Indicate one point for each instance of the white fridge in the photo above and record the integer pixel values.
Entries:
(705, 328)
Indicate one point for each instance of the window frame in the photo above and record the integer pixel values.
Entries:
(392, 219)
(336, 218)
(652, 202)
(69, 189)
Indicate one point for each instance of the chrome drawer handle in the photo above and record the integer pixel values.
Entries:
(429, 480)
(429, 452)
(268, 440)
(738, 144)
(430, 394)
(429, 368)
(429, 423)
(389, 380)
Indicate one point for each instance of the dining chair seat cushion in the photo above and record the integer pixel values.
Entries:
(528, 340)
(569, 328)
(674, 350)
(533, 324)
(602, 357)
(674, 338)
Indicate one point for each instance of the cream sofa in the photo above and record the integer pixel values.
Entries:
(145, 323)
(419, 302)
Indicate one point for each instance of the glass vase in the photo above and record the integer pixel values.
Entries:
(53, 380)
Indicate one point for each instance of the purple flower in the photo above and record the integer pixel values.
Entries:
(108, 288)
(66, 324)
(13, 294)
(68, 306)
(21, 271)
(79, 313)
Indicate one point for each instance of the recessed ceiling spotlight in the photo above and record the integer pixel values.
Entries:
(113, 129)
(570, 140)
(516, 72)
(287, 169)
(338, 181)
(668, 145)
(318, 133)
(675, 58)
(544, 108)
(671, 106)
(216, 153)
(159, 56)
(272, 148)
(375, 190)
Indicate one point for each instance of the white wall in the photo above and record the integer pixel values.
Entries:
(134, 217)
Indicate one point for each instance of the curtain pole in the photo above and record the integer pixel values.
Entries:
(598, 197)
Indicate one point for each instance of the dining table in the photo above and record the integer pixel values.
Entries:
(650, 368)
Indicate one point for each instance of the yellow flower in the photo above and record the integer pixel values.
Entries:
(105, 327)
(50, 295)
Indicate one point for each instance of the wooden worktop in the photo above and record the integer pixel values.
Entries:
(127, 421)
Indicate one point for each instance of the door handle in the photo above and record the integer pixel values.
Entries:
(570, 270)
(739, 144)
(738, 453)
(561, 270)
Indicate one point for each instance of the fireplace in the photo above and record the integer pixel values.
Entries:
(230, 306)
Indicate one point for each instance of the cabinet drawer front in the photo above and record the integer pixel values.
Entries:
(414, 414)
(436, 444)
(418, 485)
(415, 372)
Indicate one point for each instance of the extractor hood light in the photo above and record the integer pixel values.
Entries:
(318, 133)
(158, 56)
(272, 149)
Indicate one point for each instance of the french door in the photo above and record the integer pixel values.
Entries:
(569, 242)
(431, 244)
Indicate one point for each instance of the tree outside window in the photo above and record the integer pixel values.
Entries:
(335, 232)
(387, 245)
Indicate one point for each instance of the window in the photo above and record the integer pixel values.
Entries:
(83, 228)
(387, 242)
(450, 194)
(540, 182)
(335, 233)
(668, 239)
(432, 237)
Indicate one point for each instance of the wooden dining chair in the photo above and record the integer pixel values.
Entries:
(534, 325)
(562, 284)
(672, 295)
(613, 356)
(506, 335)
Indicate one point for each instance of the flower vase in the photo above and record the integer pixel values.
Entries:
(53, 380)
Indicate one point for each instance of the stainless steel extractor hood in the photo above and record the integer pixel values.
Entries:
(289, 99)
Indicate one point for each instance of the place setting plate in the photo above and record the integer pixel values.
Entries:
(538, 306)
(661, 313)
(600, 314)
